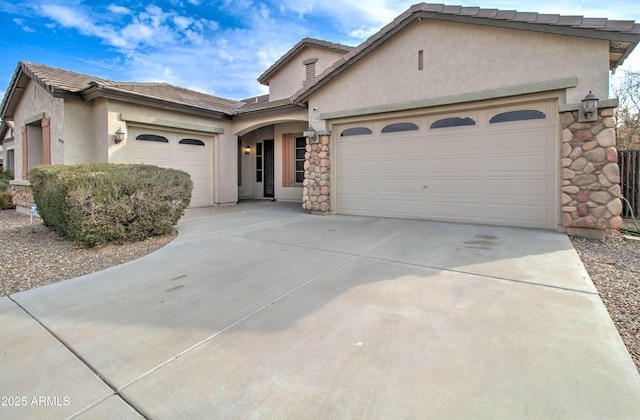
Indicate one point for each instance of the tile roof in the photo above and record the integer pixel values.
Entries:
(623, 36)
(66, 83)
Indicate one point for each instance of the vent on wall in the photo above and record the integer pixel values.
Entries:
(310, 67)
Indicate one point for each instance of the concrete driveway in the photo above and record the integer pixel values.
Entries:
(263, 311)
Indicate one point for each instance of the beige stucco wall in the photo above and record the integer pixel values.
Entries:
(36, 100)
(79, 136)
(290, 78)
(463, 58)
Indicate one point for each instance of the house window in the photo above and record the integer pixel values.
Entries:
(299, 159)
(258, 162)
(453, 122)
(394, 128)
(152, 137)
(192, 142)
(310, 68)
(356, 131)
(525, 114)
(421, 60)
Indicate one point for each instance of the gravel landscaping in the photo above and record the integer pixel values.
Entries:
(32, 256)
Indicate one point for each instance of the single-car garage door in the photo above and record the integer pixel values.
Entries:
(179, 150)
(494, 166)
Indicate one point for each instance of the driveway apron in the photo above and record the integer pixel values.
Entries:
(264, 311)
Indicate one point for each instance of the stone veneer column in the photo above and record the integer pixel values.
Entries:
(22, 197)
(316, 195)
(590, 173)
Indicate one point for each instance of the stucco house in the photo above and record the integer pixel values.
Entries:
(448, 113)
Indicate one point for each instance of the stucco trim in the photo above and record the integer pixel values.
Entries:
(141, 119)
(604, 103)
(19, 182)
(34, 118)
(482, 95)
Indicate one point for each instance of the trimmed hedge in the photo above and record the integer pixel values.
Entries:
(100, 203)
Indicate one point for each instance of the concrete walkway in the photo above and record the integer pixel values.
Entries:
(263, 311)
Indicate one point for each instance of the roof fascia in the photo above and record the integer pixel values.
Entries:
(12, 91)
(536, 27)
(95, 92)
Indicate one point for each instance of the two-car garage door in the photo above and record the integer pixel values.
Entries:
(493, 166)
(189, 152)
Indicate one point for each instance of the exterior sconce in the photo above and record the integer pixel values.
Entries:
(119, 136)
(247, 150)
(589, 108)
(311, 134)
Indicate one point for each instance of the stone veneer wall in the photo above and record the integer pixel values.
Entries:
(590, 173)
(316, 188)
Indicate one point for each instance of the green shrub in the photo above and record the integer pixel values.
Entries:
(5, 200)
(95, 204)
(5, 194)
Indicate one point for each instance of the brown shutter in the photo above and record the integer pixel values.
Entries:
(287, 160)
(46, 141)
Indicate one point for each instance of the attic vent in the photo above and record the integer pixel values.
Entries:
(310, 68)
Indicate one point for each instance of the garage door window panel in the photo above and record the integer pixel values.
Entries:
(192, 142)
(519, 115)
(452, 122)
(152, 137)
(400, 127)
(356, 131)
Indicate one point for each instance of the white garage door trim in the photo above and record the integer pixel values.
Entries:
(188, 151)
(492, 172)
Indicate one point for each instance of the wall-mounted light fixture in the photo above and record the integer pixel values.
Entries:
(119, 135)
(247, 150)
(311, 134)
(589, 108)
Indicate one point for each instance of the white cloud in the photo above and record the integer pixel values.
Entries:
(120, 10)
(20, 22)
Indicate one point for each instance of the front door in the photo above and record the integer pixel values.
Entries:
(269, 166)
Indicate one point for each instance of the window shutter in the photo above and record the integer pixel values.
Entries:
(287, 159)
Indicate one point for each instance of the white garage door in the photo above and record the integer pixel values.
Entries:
(179, 150)
(495, 166)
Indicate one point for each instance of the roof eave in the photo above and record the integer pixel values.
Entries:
(97, 91)
(6, 108)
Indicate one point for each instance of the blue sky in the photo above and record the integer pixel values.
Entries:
(219, 47)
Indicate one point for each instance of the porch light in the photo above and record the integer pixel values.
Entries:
(311, 134)
(589, 108)
(247, 150)
(119, 136)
